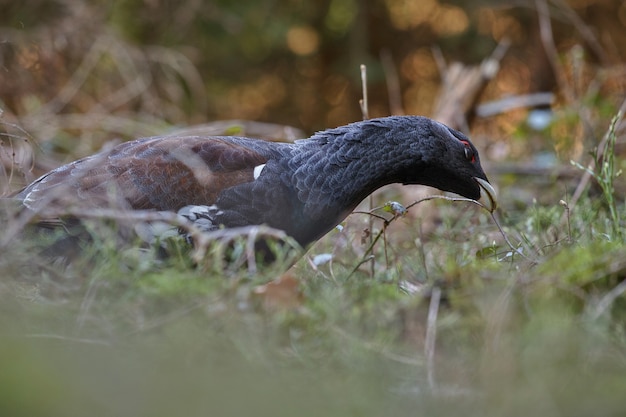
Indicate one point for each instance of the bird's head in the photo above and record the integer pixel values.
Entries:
(448, 161)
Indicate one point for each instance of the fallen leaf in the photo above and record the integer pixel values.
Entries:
(282, 293)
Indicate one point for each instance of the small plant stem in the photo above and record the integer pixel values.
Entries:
(365, 112)
(363, 102)
(369, 249)
(603, 171)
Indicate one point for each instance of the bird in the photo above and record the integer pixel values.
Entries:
(304, 188)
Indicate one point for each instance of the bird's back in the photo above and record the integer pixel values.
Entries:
(160, 173)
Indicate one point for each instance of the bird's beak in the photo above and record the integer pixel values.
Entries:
(487, 195)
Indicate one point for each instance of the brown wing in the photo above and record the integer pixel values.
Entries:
(164, 173)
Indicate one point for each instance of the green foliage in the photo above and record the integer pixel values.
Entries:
(605, 173)
(506, 324)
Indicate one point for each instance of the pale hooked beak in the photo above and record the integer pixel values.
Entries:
(487, 195)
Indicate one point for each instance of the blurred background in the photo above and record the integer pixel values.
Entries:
(98, 71)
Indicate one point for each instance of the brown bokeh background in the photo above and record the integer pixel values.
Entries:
(75, 75)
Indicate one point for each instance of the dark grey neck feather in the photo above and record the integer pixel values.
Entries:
(336, 169)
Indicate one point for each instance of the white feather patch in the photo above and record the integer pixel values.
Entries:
(257, 171)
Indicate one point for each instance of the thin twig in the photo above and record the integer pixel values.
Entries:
(371, 213)
(369, 249)
(506, 104)
(393, 82)
(357, 266)
(363, 102)
(547, 40)
(565, 205)
(508, 242)
(365, 112)
(387, 222)
(478, 203)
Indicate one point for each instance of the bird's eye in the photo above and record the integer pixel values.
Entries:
(469, 155)
(469, 152)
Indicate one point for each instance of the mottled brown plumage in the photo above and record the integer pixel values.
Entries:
(162, 173)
